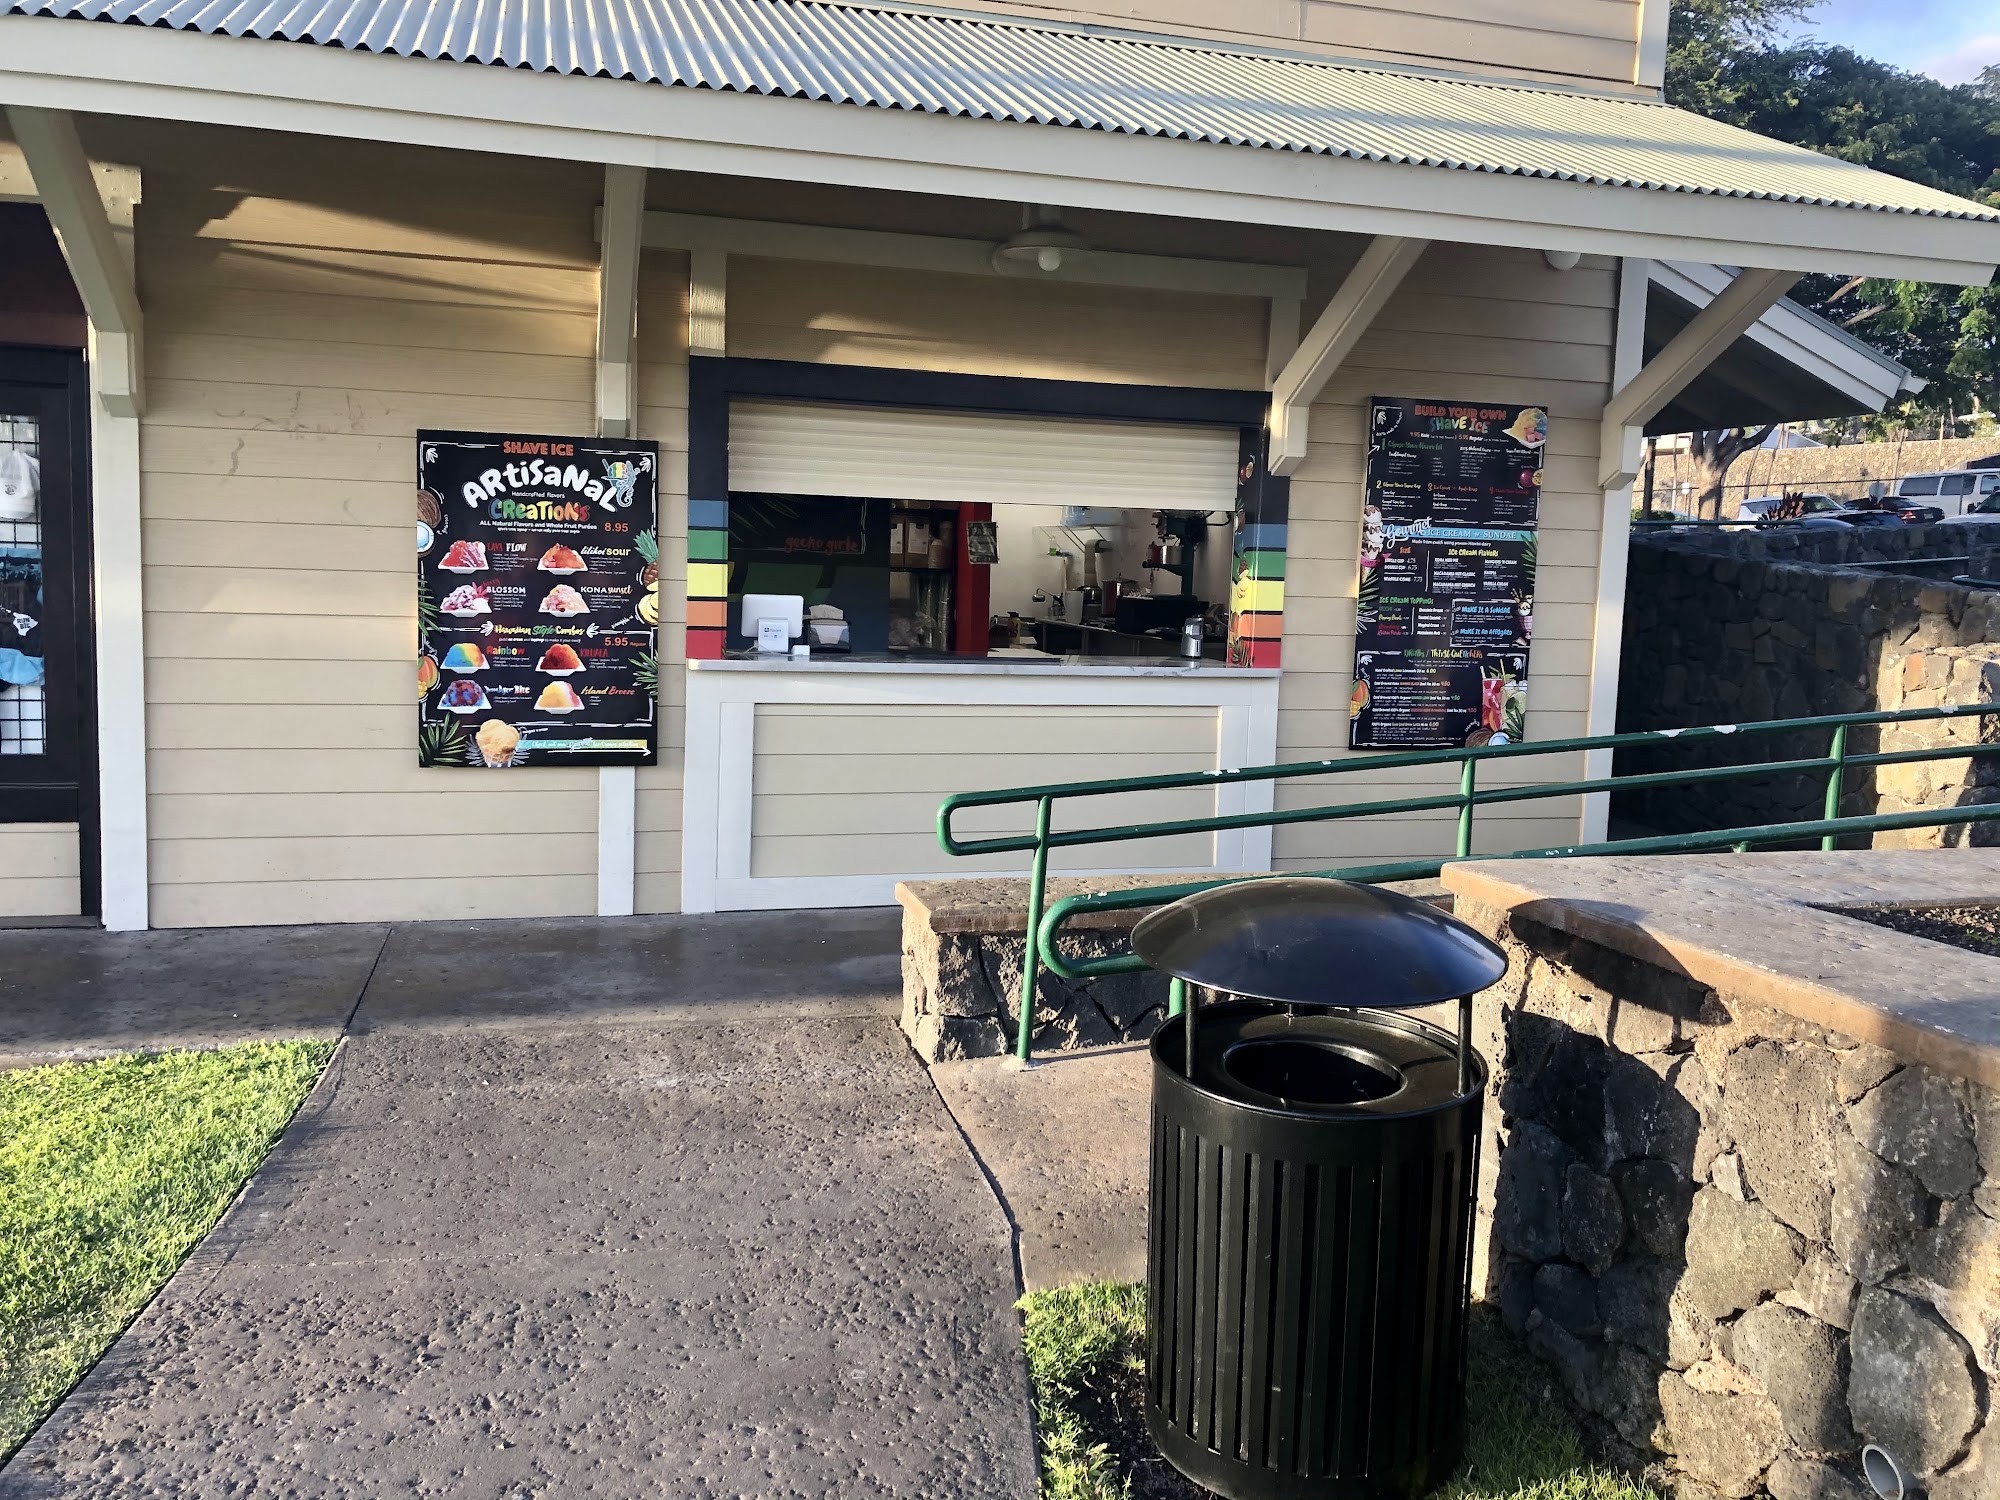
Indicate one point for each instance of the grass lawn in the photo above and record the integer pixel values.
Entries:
(110, 1173)
(1086, 1352)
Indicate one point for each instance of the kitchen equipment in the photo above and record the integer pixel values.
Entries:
(1072, 605)
(1191, 637)
(1137, 616)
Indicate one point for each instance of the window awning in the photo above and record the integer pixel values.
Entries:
(1453, 131)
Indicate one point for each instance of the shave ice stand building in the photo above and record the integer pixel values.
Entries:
(802, 411)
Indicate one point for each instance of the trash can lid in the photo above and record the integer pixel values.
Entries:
(1313, 941)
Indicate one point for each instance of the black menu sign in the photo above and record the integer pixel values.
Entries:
(1445, 606)
(538, 600)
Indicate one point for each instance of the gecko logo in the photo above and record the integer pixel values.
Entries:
(622, 480)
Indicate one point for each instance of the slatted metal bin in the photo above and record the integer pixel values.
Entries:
(1313, 1178)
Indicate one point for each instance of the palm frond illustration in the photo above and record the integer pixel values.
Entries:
(756, 515)
(1368, 595)
(427, 610)
(440, 744)
(646, 672)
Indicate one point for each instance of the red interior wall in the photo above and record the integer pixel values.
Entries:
(972, 587)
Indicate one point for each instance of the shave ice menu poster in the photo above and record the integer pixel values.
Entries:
(538, 600)
(1446, 602)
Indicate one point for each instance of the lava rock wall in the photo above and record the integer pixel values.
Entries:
(1746, 1244)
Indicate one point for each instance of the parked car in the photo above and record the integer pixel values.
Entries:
(1657, 514)
(1888, 510)
(1956, 491)
(1984, 513)
(1763, 507)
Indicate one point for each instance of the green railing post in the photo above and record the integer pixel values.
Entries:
(1835, 781)
(1468, 774)
(1038, 881)
(1176, 997)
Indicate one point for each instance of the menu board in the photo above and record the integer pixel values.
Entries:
(538, 600)
(1446, 602)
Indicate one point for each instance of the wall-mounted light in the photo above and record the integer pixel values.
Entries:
(1042, 243)
(1562, 260)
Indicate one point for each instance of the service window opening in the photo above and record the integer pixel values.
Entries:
(918, 533)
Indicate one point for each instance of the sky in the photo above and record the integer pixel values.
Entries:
(1949, 39)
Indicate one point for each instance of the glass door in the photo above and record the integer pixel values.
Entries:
(46, 737)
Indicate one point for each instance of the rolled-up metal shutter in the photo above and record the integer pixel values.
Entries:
(798, 449)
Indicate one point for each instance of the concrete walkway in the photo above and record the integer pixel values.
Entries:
(581, 1209)
(1066, 1143)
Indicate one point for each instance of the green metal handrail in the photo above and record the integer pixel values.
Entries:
(1045, 924)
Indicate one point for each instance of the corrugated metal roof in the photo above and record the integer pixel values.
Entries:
(999, 69)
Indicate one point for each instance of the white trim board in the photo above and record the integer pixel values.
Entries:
(157, 73)
(962, 257)
(717, 792)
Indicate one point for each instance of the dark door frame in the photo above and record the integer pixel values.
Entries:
(63, 788)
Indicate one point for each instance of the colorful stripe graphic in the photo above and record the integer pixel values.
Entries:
(1257, 564)
(1252, 595)
(708, 579)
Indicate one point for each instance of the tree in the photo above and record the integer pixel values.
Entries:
(1725, 61)
(1710, 454)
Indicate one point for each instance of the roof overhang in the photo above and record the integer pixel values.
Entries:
(1791, 366)
(150, 72)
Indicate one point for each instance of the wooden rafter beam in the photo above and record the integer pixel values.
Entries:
(1371, 283)
(618, 300)
(1704, 340)
(69, 195)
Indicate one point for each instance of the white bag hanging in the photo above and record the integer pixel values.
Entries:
(20, 485)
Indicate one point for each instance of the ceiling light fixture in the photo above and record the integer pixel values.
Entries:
(1042, 243)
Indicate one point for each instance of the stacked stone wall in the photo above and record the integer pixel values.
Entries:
(961, 993)
(1738, 627)
(1746, 1244)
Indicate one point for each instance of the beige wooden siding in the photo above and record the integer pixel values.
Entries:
(663, 376)
(310, 305)
(855, 790)
(1573, 40)
(992, 325)
(38, 870)
(1474, 325)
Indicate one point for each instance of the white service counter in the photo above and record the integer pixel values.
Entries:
(816, 783)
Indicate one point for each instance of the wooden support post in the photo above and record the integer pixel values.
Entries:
(96, 243)
(620, 232)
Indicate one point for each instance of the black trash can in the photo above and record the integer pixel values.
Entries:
(1314, 1170)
